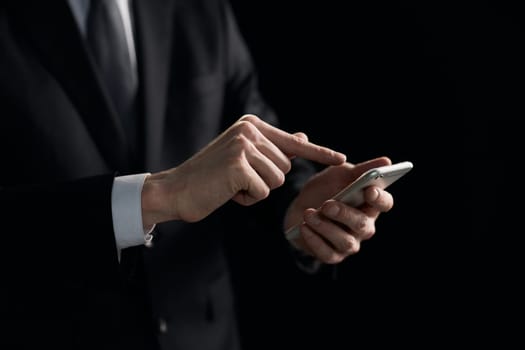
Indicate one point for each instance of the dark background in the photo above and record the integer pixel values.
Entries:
(436, 83)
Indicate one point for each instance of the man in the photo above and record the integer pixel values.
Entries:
(83, 192)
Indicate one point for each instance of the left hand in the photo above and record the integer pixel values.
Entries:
(334, 230)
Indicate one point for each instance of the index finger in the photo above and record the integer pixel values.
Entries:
(294, 145)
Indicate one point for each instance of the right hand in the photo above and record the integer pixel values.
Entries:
(244, 164)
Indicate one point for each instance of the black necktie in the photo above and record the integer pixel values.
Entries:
(107, 40)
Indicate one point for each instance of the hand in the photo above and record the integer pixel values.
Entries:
(335, 230)
(244, 163)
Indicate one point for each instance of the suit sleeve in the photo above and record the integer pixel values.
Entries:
(61, 232)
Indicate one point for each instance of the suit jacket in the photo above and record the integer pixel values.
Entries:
(61, 145)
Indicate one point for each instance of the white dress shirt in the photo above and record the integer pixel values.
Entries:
(127, 190)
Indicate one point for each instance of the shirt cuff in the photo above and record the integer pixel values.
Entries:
(126, 206)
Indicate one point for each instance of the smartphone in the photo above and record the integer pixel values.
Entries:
(352, 194)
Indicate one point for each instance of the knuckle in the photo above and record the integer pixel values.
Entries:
(346, 244)
(247, 129)
(301, 135)
(345, 213)
(241, 140)
(367, 234)
(352, 246)
(279, 180)
(265, 192)
(301, 139)
(356, 247)
(287, 166)
(251, 118)
(361, 223)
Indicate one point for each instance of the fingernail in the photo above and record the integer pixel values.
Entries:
(341, 156)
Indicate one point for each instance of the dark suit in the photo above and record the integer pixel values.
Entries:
(61, 145)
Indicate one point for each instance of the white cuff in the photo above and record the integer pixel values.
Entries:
(126, 206)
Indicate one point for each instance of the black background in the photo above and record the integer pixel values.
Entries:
(436, 83)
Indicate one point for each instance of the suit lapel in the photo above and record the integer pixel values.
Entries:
(153, 27)
(53, 31)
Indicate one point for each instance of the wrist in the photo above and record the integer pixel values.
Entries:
(153, 200)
